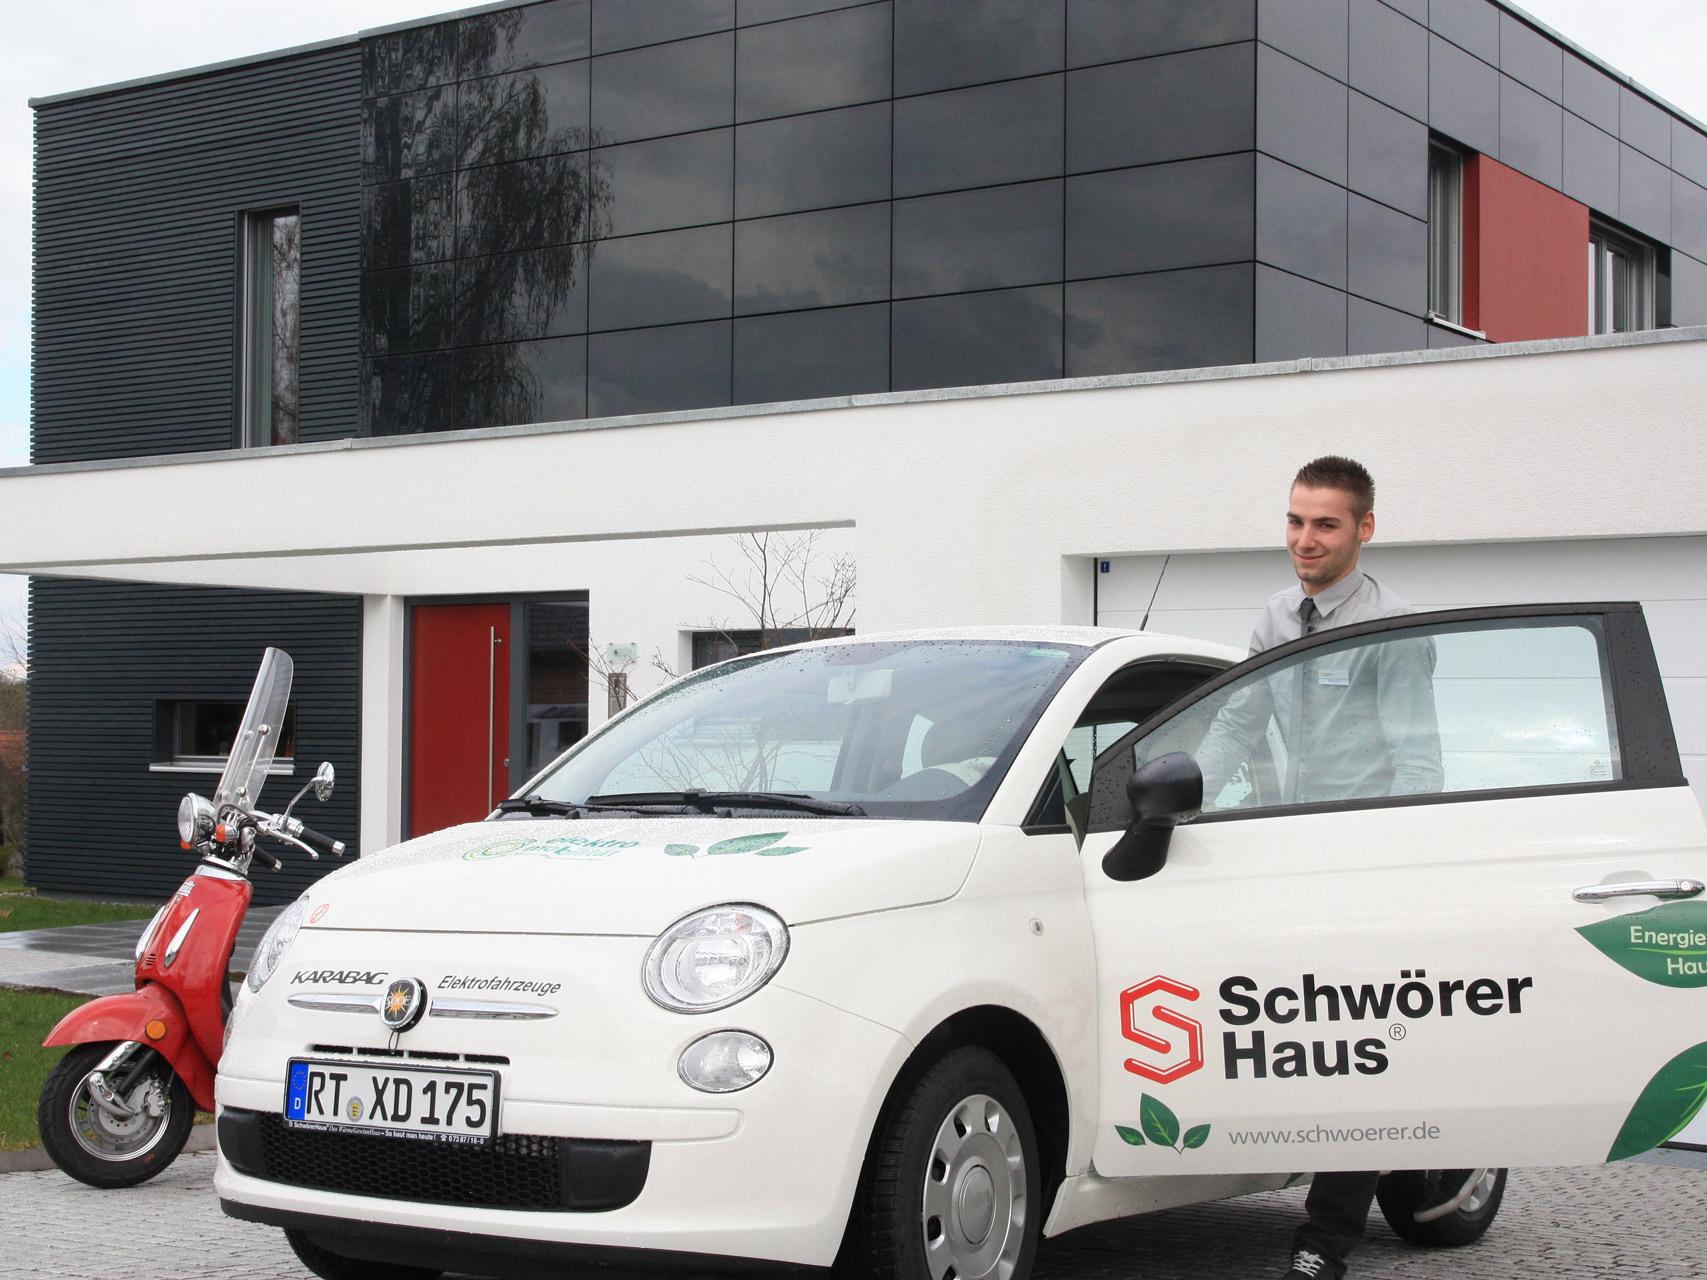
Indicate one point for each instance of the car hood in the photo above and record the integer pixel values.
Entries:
(637, 876)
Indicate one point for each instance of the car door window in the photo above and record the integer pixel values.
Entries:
(1459, 708)
(1126, 699)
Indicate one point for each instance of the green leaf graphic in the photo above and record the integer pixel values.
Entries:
(682, 850)
(780, 851)
(1665, 944)
(746, 844)
(1195, 1136)
(1159, 1124)
(1671, 1100)
(1131, 1137)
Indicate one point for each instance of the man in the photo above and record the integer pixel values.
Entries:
(1355, 723)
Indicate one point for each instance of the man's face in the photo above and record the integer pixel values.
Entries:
(1324, 536)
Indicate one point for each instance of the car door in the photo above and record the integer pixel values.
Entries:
(1439, 909)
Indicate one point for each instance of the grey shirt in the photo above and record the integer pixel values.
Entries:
(1354, 721)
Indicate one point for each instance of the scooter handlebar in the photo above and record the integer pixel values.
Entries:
(325, 844)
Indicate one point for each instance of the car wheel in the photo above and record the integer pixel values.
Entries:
(104, 1149)
(951, 1188)
(1404, 1195)
(337, 1266)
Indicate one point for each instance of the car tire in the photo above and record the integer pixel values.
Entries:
(952, 1184)
(1404, 1194)
(101, 1150)
(337, 1266)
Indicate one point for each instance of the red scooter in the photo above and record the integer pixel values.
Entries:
(119, 1106)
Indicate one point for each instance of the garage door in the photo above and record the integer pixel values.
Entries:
(1216, 597)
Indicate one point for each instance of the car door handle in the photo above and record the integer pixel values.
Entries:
(1638, 888)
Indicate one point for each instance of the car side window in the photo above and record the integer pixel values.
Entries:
(1460, 708)
(1125, 700)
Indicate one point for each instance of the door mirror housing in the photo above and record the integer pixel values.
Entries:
(1164, 792)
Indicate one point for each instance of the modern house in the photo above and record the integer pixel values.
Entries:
(457, 358)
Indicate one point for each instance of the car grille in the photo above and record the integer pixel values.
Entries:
(517, 1171)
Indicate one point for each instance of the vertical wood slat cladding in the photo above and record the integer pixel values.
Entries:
(137, 204)
(104, 653)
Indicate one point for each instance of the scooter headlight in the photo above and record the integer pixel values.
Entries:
(275, 942)
(714, 958)
(196, 819)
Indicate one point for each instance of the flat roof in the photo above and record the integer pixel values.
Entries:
(72, 95)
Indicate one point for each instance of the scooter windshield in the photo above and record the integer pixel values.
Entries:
(258, 736)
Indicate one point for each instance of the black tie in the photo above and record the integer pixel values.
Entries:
(1307, 617)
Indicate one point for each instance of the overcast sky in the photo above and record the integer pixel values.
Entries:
(76, 44)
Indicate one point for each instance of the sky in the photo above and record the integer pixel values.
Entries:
(78, 44)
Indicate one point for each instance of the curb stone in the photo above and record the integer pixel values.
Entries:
(34, 1159)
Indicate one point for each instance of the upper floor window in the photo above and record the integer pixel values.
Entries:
(1620, 281)
(272, 307)
(1445, 232)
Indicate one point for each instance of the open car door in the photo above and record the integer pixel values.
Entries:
(1442, 907)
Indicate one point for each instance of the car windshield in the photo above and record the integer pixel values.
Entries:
(898, 729)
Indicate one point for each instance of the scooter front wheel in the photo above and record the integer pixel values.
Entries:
(122, 1139)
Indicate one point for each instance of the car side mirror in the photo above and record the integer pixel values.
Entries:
(1164, 792)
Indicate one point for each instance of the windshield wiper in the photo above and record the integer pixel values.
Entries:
(538, 806)
(709, 801)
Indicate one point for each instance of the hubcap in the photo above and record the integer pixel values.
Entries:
(973, 1216)
(108, 1136)
(1484, 1188)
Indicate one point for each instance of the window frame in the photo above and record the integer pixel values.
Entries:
(1647, 744)
(1605, 244)
(1445, 233)
(256, 333)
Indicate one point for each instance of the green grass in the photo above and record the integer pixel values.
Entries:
(22, 908)
(25, 1017)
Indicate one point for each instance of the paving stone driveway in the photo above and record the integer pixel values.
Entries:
(1637, 1219)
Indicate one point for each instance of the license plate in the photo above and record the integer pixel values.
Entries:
(401, 1102)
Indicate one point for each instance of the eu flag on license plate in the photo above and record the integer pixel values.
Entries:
(296, 1095)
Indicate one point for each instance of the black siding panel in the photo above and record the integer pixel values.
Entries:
(103, 654)
(137, 201)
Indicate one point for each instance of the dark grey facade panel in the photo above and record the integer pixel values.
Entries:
(1297, 318)
(1644, 125)
(108, 658)
(1117, 30)
(1300, 223)
(1166, 320)
(1472, 25)
(1689, 152)
(1688, 290)
(1313, 31)
(1301, 115)
(1387, 155)
(945, 44)
(1590, 166)
(1463, 97)
(1530, 57)
(1372, 328)
(1591, 93)
(1389, 57)
(1644, 194)
(1531, 133)
(138, 201)
(1689, 218)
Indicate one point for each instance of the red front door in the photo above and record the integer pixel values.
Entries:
(459, 713)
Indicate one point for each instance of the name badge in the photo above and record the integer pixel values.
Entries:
(1341, 678)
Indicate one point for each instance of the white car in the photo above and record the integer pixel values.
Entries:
(899, 951)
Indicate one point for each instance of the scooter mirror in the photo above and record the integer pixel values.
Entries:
(323, 778)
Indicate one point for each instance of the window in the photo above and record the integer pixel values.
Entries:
(272, 275)
(197, 735)
(720, 646)
(1445, 233)
(1455, 708)
(1620, 281)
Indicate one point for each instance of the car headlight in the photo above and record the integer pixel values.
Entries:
(714, 958)
(275, 942)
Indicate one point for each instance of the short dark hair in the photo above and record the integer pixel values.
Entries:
(1331, 471)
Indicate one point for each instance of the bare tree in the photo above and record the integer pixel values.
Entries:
(787, 590)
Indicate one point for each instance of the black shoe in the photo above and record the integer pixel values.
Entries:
(1307, 1264)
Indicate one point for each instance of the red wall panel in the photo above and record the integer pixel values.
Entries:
(1525, 256)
